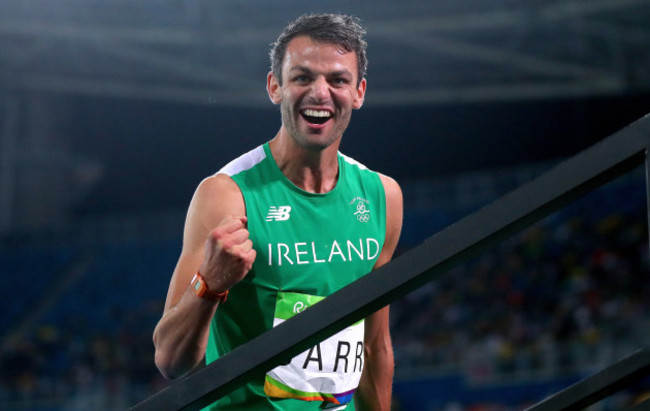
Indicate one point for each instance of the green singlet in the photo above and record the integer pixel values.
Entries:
(308, 246)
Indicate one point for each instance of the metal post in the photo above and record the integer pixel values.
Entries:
(8, 161)
(647, 188)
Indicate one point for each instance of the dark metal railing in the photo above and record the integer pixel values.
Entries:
(599, 164)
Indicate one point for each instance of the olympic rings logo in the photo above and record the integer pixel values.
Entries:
(362, 213)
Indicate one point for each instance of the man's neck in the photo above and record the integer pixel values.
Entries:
(312, 171)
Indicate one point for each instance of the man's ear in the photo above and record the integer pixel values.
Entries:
(360, 95)
(273, 88)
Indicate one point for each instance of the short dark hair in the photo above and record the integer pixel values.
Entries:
(342, 30)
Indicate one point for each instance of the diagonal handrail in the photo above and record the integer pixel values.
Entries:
(605, 382)
(604, 161)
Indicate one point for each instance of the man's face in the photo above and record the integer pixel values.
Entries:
(318, 93)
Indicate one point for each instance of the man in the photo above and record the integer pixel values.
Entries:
(284, 226)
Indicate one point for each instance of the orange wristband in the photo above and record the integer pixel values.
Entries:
(201, 289)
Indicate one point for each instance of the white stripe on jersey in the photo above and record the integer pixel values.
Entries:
(244, 162)
(352, 161)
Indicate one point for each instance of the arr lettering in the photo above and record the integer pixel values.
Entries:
(344, 360)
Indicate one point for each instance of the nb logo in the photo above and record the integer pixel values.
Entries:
(280, 213)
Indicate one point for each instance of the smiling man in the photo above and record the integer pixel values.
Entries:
(284, 226)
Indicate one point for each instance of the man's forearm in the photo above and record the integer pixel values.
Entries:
(181, 335)
(375, 387)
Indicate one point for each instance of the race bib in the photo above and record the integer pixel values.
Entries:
(329, 371)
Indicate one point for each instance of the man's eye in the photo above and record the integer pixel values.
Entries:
(301, 79)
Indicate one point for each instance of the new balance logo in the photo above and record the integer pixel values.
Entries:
(280, 213)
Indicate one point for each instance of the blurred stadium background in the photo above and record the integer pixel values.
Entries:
(112, 112)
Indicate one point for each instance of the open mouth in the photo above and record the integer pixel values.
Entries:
(316, 116)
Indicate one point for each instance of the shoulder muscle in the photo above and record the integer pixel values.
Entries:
(216, 197)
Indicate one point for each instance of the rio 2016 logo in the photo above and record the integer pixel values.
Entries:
(299, 307)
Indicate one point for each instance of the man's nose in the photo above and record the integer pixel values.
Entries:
(320, 88)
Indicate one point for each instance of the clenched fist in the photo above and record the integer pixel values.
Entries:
(228, 254)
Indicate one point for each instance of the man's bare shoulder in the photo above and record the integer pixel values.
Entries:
(392, 189)
(218, 185)
(216, 197)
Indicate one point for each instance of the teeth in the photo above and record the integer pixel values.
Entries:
(317, 113)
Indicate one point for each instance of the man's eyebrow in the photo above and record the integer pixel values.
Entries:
(307, 70)
(301, 69)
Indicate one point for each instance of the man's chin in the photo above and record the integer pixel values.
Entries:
(313, 146)
(312, 141)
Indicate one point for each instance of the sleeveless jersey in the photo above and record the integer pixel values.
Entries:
(308, 246)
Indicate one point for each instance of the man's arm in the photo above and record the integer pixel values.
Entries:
(216, 244)
(375, 387)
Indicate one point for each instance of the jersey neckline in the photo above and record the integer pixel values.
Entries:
(280, 175)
